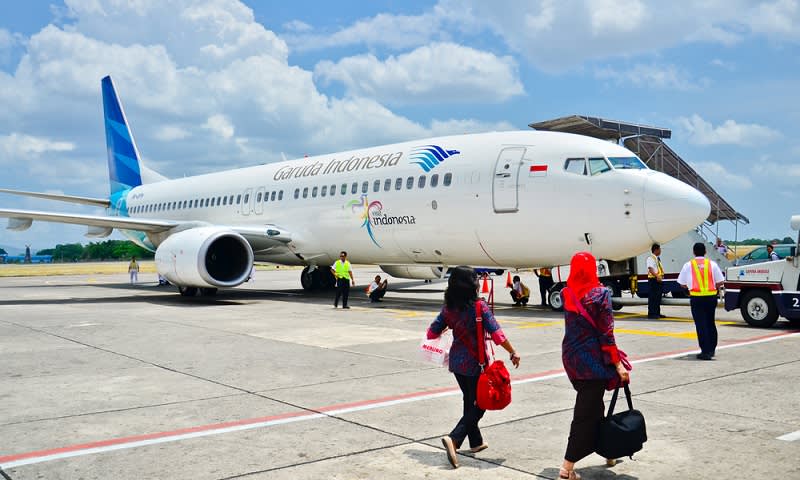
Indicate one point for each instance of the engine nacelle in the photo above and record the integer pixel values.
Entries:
(420, 272)
(205, 257)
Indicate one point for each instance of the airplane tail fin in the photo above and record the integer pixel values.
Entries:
(125, 169)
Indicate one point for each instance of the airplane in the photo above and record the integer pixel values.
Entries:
(515, 199)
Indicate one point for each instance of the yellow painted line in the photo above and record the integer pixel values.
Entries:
(642, 316)
(689, 335)
(536, 325)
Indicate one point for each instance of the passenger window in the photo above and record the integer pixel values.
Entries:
(434, 180)
(447, 180)
(305, 192)
(354, 188)
(323, 191)
(398, 184)
(212, 202)
(376, 186)
(224, 200)
(246, 198)
(365, 187)
(266, 197)
(421, 182)
(272, 197)
(344, 189)
(576, 166)
(387, 185)
(219, 199)
(333, 190)
(231, 200)
(598, 166)
(296, 193)
(280, 195)
(314, 192)
(409, 183)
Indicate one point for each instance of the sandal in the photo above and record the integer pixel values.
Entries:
(479, 448)
(451, 450)
(568, 474)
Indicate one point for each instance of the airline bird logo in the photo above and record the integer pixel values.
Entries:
(428, 156)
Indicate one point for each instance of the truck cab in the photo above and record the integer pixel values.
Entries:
(767, 290)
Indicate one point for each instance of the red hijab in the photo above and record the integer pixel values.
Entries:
(582, 278)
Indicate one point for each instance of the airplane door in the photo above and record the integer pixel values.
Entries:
(246, 199)
(258, 205)
(505, 195)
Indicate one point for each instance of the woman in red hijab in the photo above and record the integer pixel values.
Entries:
(590, 356)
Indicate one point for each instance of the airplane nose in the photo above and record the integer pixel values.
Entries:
(672, 208)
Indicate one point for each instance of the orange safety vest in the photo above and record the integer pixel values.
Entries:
(702, 282)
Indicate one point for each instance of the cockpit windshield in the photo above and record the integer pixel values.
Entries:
(627, 163)
(598, 166)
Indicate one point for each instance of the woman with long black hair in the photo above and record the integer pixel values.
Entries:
(459, 314)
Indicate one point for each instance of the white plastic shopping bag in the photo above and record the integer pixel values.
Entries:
(436, 350)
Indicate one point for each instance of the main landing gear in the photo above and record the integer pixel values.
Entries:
(192, 291)
(317, 278)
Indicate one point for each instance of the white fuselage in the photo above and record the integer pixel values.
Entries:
(509, 203)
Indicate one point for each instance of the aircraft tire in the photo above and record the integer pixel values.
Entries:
(758, 309)
(187, 291)
(554, 297)
(208, 292)
(306, 280)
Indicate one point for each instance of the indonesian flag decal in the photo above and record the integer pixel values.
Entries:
(538, 171)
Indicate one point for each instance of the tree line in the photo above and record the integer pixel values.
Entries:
(760, 241)
(99, 251)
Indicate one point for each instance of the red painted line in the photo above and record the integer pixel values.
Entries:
(538, 168)
(328, 408)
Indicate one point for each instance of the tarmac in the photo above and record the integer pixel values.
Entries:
(100, 379)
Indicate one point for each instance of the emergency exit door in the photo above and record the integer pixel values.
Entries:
(505, 187)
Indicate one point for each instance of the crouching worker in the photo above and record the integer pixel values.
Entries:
(520, 293)
(377, 289)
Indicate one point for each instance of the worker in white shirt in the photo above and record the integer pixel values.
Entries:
(655, 282)
(377, 289)
(703, 277)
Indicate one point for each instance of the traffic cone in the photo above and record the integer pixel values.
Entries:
(509, 284)
(485, 288)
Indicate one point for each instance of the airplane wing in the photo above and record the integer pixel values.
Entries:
(260, 236)
(22, 220)
(100, 202)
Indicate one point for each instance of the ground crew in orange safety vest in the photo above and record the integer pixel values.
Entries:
(702, 277)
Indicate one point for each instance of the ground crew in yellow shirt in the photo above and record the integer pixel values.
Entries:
(344, 277)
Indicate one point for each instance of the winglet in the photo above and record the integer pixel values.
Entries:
(124, 170)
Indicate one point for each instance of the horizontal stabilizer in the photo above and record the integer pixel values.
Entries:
(99, 202)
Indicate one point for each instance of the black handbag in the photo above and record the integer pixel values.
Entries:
(621, 434)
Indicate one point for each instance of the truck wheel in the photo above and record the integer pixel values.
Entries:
(554, 297)
(758, 309)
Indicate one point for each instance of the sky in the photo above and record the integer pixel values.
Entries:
(209, 85)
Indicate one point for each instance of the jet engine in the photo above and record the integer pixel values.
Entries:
(205, 257)
(421, 272)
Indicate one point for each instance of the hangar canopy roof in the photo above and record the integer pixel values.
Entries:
(648, 143)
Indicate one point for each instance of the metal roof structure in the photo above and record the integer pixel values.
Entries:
(648, 143)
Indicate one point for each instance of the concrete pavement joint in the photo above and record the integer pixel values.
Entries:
(5, 475)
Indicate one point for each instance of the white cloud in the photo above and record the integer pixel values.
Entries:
(729, 66)
(717, 174)
(665, 77)
(16, 147)
(438, 72)
(297, 26)
(220, 125)
(168, 133)
(558, 35)
(788, 172)
(702, 132)
(395, 31)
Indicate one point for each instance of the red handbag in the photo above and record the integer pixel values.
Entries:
(494, 383)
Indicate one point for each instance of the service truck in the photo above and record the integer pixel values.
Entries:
(764, 291)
